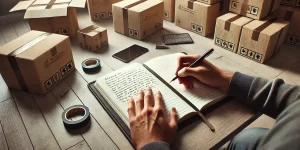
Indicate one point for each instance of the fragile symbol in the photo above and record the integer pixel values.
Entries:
(70, 66)
(254, 10)
(244, 51)
(250, 54)
(234, 4)
(166, 14)
(110, 14)
(56, 77)
(218, 41)
(48, 84)
(63, 70)
(258, 57)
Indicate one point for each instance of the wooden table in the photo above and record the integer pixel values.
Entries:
(30, 121)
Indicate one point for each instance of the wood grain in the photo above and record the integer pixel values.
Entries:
(4, 92)
(80, 146)
(95, 136)
(13, 127)
(3, 143)
(79, 86)
(52, 111)
(34, 121)
(8, 33)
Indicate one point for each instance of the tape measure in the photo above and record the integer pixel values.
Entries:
(76, 110)
(91, 65)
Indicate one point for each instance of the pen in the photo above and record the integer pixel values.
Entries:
(194, 64)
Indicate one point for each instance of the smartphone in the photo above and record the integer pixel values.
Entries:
(130, 53)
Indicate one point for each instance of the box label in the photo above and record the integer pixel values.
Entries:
(196, 28)
(224, 44)
(250, 54)
(252, 10)
(63, 31)
(292, 39)
(186, 9)
(67, 68)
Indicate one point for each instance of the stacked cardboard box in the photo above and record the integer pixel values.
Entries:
(291, 14)
(138, 18)
(169, 10)
(36, 61)
(101, 9)
(196, 16)
(51, 16)
(92, 38)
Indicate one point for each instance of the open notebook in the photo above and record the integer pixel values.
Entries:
(121, 85)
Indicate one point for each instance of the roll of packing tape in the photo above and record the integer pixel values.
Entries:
(73, 111)
(91, 65)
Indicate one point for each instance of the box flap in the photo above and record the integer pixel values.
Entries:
(145, 5)
(42, 12)
(77, 3)
(22, 5)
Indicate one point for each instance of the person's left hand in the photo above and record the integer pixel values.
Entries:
(148, 120)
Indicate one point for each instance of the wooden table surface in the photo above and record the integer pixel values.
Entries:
(30, 121)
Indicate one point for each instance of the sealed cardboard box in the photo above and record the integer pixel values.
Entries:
(36, 61)
(196, 16)
(262, 39)
(169, 10)
(224, 7)
(291, 3)
(256, 9)
(138, 18)
(228, 31)
(92, 38)
(54, 16)
(101, 9)
(292, 15)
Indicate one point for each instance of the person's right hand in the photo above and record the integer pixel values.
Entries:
(206, 73)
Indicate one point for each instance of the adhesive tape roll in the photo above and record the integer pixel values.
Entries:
(91, 65)
(76, 110)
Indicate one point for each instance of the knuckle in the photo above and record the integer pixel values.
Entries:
(131, 122)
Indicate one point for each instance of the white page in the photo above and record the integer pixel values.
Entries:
(123, 84)
(165, 67)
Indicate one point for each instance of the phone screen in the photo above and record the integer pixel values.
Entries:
(130, 53)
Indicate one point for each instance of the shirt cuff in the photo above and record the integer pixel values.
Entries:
(160, 145)
(240, 85)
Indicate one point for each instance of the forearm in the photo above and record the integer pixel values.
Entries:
(160, 145)
(269, 97)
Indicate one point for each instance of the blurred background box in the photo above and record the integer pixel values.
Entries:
(93, 38)
(169, 10)
(100, 9)
(196, 16)
(138, 18)
(228, 31)
(262, 39)
(256, 9)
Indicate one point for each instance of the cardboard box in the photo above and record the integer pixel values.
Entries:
(292, 15)
(291, 3)
(101, 9)
(256, 9)
(138, 18)
(209, 1)
(262, 39)
(92, 38)
(54, 16)
(196, 16)
(224, 7)
(169, 10)
(228, 31)
(36, 61)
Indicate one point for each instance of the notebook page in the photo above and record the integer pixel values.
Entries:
(123, 84)
(165, 67)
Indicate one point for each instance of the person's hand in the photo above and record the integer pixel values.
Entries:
(148, 120)
(206, 73)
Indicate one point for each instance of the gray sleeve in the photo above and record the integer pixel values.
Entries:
(160, 145)
(268, 97)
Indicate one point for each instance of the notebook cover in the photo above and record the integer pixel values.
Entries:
(173, 39)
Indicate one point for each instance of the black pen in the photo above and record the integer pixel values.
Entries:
(194, 64)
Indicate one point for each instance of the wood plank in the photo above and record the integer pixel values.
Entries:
(80, 146)
(52, 111)
(95, 137)
(34, 121)
(79, 86)
(8, 33)
(3, 143)
(4, 92)
(13, 127)
(20, 28)
(225, 119)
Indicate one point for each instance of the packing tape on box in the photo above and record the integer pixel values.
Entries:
(229, 21)
(93, 29)
(91, 65)
(73, 111)
(125, 16)
(256, 31)
(13, 61)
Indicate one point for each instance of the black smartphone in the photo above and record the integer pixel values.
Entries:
(130, 53)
